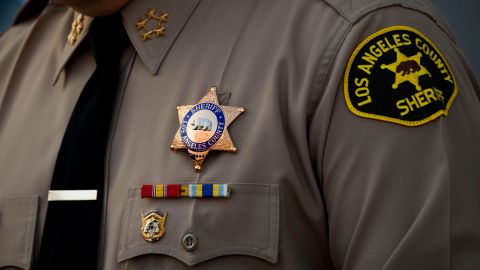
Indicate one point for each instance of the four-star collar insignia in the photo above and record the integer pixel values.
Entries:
(398, 75)
(203, 127)
(77, 29)
(159, 28)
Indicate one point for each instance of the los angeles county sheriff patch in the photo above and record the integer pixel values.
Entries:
(398, 75)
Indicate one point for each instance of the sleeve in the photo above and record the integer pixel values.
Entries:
(396, 142)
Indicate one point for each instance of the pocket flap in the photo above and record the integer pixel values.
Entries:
(247, 223)
(18, 217)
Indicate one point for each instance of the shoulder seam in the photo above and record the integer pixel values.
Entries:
(321, 77)
(353, 16)
(407, 5)
(338, 10)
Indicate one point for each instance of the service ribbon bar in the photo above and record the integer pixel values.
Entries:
(186, 190)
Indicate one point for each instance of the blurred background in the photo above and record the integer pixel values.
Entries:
(8, 10)
(462, 15)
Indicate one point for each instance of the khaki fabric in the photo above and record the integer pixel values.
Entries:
(17, 229)
(313, 185)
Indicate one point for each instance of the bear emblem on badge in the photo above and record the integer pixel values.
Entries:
(153, 225)
(201, 124)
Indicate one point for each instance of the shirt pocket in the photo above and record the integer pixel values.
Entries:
(246, 224)
(18, 218)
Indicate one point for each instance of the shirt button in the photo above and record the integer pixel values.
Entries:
(189, 242)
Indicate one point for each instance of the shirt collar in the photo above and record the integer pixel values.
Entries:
(69, 49)
(152, 51)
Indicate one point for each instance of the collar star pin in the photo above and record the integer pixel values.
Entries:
(77, 28)
(203, 128)
(159, 30)
(153, 225)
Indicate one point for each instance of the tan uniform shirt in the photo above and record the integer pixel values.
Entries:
(314, 185)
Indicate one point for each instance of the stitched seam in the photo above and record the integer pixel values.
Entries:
(129, 65)
(426, 120)
(339, 12)
(445, 144)
(235, 44)
(411, 5)
(322, 88)
(227, 249)
(28, 231)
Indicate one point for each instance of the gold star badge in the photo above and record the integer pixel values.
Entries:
(159, 30)
(407, 69)
(203, 127)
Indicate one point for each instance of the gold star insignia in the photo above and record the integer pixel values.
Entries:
(151, 14)
(407, 69)
(163, 17)
(159, 30)
(141, 23)
(77, 28)
(203, 128)
(147, 35)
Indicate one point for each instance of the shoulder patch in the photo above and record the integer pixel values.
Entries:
(398, 75)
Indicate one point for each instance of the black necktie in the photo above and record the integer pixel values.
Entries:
(71, 232)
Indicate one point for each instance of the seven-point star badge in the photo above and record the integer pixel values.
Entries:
(203, 127)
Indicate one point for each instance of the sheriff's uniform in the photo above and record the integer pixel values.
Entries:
(358, 146)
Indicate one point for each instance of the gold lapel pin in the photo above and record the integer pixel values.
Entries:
(159, 28)
(153, 225)
(77, 28)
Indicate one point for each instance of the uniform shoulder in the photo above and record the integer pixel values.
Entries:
(353, 10)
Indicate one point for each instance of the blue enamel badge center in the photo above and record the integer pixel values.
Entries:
(202, 126)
